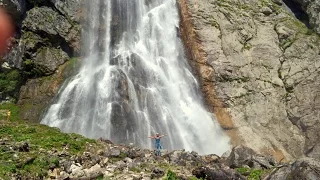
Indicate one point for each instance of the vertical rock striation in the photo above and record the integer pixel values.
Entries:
(259, 70)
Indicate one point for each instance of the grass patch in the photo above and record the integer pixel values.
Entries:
(171, 175)
(41, 139)
(251, 174)
(14, 109)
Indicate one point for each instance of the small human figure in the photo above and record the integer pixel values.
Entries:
(8, 115)
(158, 145)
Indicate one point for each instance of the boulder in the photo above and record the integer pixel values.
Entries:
(302, 169)
(217, 173)
(47, 60)
(157, 173)
(115, 153)
(243, 156)
(69, 8)
(94, 171)
(55, 26)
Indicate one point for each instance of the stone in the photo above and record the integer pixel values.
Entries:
(49, 59)
(304, 168)
(100, 152)
(211, 174)
(69, 8)
(240, 156)
(63, 175)
(266, 11)
(94, 171)
(77, 171)
(127, 160)
(115, 153)
(24, 147)
(157, 173)
(54, 174)
(56, 26)
(105, 161)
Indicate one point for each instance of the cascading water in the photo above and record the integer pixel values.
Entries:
(135, 81)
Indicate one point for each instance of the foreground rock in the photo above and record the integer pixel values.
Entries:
(305, 168)
(34, 151)
(258, 66)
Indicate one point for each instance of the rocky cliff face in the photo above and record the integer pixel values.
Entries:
(312, 9)
(47, 37)
(259, 68)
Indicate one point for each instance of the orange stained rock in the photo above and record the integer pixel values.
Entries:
(198, 61)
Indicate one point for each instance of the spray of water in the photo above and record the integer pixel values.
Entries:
(135, 81)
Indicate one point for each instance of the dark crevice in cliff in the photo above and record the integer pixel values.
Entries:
(38, 3)
(298, 12)
(57, 41)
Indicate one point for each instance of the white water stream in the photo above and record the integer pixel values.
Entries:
(135, 81)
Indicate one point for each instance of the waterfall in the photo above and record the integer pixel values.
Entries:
(135, 81)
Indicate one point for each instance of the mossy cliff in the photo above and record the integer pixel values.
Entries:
(47, 37)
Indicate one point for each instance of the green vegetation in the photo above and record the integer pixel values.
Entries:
(32, 69)
(119, 158)
(171, 175)
(14, 109)
(194, 178)
(251, 174)
(39, 155)
(9, 81)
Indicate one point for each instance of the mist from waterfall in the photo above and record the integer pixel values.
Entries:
(135, 81)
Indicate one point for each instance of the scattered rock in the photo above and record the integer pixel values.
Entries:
(212, 174)
(157, 173)
(115, 153)
(24, 147)
(305, 168)
(266, 11)
(243, 156)
(94, 172)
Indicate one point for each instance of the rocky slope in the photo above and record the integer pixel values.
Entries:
(33, 151)
(259, 68)
(47, 37)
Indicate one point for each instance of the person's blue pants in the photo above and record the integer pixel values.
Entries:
(158, 149)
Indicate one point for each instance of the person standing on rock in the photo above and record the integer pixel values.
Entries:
(158, 145)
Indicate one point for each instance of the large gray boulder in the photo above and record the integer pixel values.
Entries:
(45, 20)
(49, 59)
(242, 156)
(302, 169)
(69, 8)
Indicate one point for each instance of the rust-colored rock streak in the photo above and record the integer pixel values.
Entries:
(204, 72)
